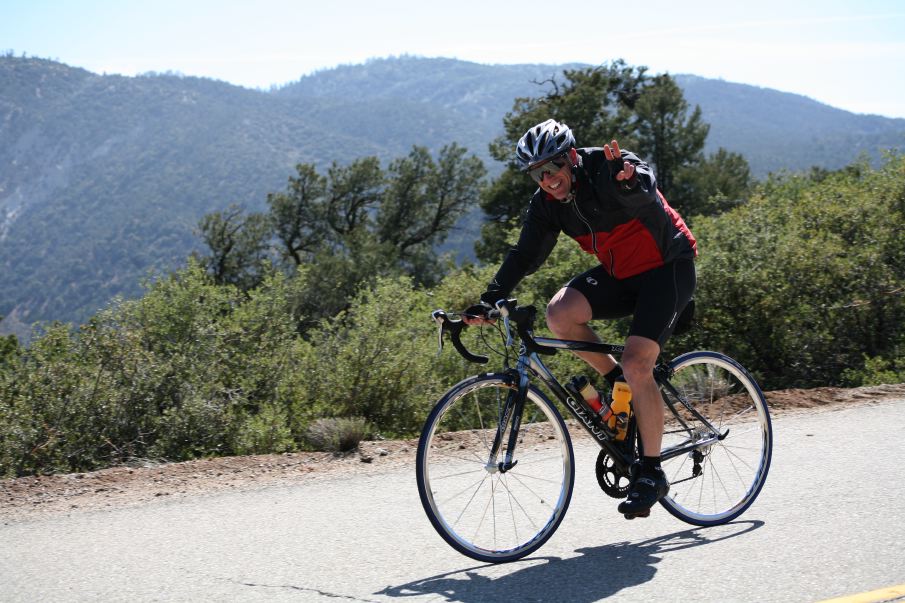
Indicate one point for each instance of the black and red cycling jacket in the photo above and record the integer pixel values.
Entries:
(630, 229)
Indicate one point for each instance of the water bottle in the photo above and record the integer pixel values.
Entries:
(592, 397)
(621, 408)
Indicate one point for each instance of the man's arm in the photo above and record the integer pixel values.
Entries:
(535, 242)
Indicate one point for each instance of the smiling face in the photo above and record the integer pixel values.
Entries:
(559, 184)
(555, 176)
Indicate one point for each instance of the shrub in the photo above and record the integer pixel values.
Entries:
(337, 434)
(876, 371)
(372, 361)
(268, 431)
(807, 277)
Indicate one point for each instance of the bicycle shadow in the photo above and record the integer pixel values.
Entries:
(595, 574)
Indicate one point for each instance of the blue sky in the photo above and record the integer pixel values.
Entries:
(847, 54)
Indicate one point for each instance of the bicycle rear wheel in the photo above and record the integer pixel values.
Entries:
(719, 478)
(481, 511)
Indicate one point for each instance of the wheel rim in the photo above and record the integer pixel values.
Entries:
(730, 472)
(485, 512)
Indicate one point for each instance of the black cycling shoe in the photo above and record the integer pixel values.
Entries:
(643, 493)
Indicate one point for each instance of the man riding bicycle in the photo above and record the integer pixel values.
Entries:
(607, 200)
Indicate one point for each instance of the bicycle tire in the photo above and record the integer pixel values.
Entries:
(733, 469)
(483, 513)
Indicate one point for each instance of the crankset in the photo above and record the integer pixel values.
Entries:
(612, 479)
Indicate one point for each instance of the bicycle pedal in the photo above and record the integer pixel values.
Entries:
(645, 513)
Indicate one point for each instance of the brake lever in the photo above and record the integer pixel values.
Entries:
(502, 307)
(508, 330)
(455, 329)
(439, 317)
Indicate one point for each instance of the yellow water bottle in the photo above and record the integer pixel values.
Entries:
(622, 409)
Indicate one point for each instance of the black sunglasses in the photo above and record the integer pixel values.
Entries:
(550, 167)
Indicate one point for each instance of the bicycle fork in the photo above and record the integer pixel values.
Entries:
(511, 416)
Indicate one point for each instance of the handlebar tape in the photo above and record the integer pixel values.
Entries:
(455, 330)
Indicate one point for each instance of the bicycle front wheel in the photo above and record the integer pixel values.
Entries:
(482, 511)
(727, 445)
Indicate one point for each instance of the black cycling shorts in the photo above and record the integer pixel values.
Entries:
(655, 299)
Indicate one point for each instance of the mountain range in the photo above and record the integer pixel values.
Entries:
(103, 178)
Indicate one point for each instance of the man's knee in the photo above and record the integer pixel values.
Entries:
(557, 315)
(634, 369)
(567, 309)
(639, 358)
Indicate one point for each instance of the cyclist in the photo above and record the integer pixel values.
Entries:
(607, 200)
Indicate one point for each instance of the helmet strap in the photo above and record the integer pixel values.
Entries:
(573, 171)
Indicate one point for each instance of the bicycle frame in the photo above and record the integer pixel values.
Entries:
(529, 363)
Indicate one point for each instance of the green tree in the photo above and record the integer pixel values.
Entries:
(351, 226)
(423, 201)
(372, 360)
(9, 349)
(716, 184)
(668, 137)
(353, 192)
(297, 215)
(239, 246)
(191, 369)
(315, 213)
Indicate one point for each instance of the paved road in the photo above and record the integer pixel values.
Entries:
(829, 522)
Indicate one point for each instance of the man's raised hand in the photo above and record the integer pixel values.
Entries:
(623, 172)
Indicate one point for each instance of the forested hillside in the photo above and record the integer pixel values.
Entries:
(781, 131)
(104, 178)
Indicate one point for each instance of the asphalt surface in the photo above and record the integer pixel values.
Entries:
(830, 521)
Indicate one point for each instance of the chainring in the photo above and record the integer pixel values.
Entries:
(613, 480)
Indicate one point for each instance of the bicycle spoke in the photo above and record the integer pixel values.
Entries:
(476, 486)
(738, 448)
(484, 516)
(493, 505)
(459, 474)
(534, 477)
(718, 478)
(481, 422)
(539, 498)
(738, 473)
(736, 434)
(541, 459)
(679, 470)
(522, 509)
(740, 413)
(730, 455)
(512, 513)
(474, 457)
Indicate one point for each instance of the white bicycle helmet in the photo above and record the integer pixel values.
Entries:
(542, 143)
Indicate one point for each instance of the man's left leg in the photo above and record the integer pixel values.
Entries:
(649, 485)
(638, 362)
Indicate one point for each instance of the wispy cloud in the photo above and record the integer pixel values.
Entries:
(688, 31)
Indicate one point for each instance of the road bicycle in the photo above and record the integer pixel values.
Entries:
(495, 463)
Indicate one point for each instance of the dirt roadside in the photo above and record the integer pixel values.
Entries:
(35, 497)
